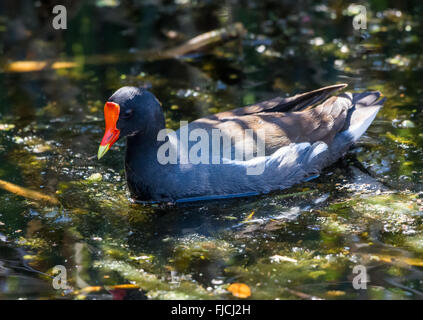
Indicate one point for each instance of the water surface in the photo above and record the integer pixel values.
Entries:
(301, 243)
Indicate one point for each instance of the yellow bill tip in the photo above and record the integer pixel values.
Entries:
(102, 150)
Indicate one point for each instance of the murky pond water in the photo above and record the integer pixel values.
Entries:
(303, 243)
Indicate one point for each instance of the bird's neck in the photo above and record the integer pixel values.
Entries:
(141, 164)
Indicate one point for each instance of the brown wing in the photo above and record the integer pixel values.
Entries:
(320, 123)
(279, 104)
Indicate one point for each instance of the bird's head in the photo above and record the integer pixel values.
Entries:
(129, 111)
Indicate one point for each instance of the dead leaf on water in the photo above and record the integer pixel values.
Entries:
(239, 290)
(29, 66)
(335, 293)
(122, 286)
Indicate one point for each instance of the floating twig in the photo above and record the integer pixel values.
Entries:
(27, 193)
(197, 43)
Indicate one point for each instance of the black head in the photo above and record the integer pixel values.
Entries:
(131, 111)
(139, 110)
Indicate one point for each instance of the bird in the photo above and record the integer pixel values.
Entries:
(290, 140)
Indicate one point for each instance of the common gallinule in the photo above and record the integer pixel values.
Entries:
(275, 144)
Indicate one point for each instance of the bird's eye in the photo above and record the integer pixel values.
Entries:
(127, 114)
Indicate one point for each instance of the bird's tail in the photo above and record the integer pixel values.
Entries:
(363, 111)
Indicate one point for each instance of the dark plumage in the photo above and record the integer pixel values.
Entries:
(303, 134)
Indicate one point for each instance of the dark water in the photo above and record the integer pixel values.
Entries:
(301, 243)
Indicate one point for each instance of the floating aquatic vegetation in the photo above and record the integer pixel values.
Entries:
(301, 243)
